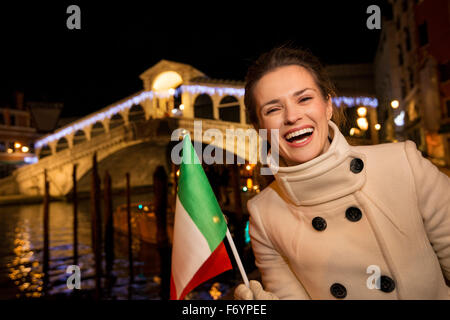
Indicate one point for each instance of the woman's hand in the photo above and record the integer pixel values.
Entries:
(255, 292)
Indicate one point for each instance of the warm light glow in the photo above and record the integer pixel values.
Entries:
(249, 183)
(178, 172)
(248, 167)
(362, 111)
(355, 131)
(215, 292)
(17, 145)
(377, 126)
(362, 123)
(395, 104)
(171, 91)
(166, 81)
(174, 111)
(25, 149)
(10, 150)
(244, 189)
(181, 107)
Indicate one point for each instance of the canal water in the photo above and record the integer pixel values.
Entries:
(21, 256)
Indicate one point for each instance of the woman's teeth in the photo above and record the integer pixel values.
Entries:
(301, 140)
(293, 136)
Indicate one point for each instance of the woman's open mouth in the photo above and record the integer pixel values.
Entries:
(300, 137)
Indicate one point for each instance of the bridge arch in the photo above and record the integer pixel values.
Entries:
(230, 109)
(62, 144)
(97, 129)
(136, 114)
(116, 121)
(45, 152)
(79, 137)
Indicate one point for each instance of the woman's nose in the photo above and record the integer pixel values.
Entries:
(291, 115)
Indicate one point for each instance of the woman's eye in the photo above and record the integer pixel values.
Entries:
(271, 110)
(305, 99)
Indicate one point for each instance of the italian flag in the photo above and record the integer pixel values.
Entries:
(198, 252)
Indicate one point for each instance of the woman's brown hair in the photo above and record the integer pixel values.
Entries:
(285, 56)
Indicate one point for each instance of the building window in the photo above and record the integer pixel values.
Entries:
(444, 71)
(411, 78)
(2, 146)
(12, 120)
(407, 40)
(400, 55)
(403, 88)
(404, 5)
(423, 34)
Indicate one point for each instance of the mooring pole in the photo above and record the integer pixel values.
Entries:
(46, 252)
(96, 227)
(160, 189)
(238, 211)
(130, 236)
(75, 215)
(109, 230)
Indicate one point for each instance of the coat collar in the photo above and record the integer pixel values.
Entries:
(324, 178)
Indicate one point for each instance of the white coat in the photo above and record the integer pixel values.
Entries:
(322, 228)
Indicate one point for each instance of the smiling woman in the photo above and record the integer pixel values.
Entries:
(336, 211)
(282, 86)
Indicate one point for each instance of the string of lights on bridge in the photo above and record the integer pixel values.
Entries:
(192, 89)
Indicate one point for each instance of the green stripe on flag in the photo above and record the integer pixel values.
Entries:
(198, 199)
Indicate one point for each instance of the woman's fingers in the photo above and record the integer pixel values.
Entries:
(259, 293)
(255, 292)
(243, 293)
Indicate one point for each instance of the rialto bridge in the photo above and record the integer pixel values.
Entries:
(133, 135)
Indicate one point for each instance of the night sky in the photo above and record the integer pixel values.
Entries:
(90, 68)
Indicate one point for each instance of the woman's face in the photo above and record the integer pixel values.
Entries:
(289, 99)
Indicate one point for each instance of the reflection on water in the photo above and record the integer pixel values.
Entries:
(23, 270)
(21, 243)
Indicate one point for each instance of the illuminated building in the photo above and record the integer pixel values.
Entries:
(412, 66)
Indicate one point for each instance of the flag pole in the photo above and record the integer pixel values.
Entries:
(237, 258)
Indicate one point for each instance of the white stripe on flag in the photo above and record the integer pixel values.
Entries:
(190, 248)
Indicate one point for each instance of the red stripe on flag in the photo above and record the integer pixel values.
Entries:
(217, 263)
(173, 290)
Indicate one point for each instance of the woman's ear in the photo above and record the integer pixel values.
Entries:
(329, 110)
